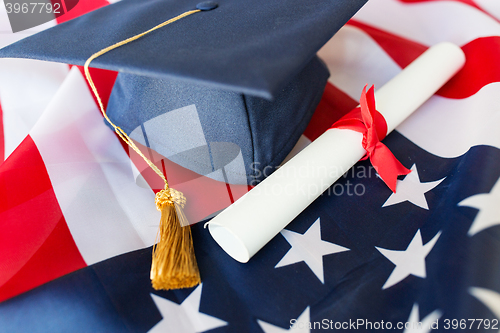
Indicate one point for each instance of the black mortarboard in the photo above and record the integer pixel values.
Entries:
(249, 67)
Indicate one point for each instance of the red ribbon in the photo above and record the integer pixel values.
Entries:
(368, 121)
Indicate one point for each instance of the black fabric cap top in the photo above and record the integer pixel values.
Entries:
(240, 72)
(250, 46)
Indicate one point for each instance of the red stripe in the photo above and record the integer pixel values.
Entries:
(80, 8)
(228, 187)
(2, 137)
(333, 105)
(467, 2)
(403, 51)
(63, 5)
(35, 242)
(481, 66)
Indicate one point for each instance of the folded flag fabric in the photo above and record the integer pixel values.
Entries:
(75, 252)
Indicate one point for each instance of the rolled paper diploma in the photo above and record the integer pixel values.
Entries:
(246, 226)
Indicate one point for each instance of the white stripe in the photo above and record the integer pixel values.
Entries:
(106, 212)
(26, 88)
(490, 6)
(449, 127)
(354, 59)
(429, 22)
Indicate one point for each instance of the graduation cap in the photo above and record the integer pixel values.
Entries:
(248, 66)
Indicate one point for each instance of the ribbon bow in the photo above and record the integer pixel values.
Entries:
(368, 121)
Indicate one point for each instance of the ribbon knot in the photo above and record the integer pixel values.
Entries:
(371, 123)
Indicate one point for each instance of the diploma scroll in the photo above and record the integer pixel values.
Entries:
(246, 226)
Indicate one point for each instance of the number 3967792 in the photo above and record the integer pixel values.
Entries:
(33, 7)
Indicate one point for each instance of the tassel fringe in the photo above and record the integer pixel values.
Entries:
(174, 263)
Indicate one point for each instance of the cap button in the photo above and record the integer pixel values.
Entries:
(207, 5)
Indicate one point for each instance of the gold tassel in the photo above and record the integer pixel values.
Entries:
(174, 263)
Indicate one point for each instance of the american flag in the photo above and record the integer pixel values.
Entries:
(75, 253)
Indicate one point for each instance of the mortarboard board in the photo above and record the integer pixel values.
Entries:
(249, 68)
